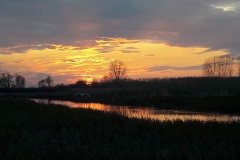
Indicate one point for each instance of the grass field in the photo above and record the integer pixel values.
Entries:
(35, 131)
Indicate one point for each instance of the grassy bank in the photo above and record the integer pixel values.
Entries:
(35, 131)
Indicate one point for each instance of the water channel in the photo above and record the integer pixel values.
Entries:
(147, 112)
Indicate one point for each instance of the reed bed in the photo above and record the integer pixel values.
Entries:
(36, 131)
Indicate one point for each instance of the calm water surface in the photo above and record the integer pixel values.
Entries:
(147, 112)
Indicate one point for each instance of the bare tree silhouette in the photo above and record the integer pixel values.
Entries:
(6, 80)
(238, 68)
(221, 66)
(42, 83)
(19, 81)
(12, 81)
(48, 82)
(117, 70)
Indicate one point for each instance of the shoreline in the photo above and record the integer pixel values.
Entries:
(211, 104)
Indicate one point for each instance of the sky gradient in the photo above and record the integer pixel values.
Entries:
(77, 39)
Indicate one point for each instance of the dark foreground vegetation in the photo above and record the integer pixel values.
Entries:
(35, 131)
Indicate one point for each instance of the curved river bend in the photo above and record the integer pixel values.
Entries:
(147, 112)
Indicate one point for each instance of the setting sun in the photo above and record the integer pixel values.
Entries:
(89, 81)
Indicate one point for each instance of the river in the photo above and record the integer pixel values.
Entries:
(147, 112)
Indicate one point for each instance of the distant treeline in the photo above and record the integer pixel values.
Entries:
(183, 85)
(158, 86)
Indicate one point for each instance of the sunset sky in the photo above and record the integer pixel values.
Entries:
(77, 39)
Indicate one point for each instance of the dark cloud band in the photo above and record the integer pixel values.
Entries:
(27, 24)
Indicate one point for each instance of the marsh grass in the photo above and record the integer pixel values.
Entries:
(35, 131)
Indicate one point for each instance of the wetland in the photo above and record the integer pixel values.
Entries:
(147, 112)
(31, 130)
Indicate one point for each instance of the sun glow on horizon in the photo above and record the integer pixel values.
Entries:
(68, 63)
(89, 81)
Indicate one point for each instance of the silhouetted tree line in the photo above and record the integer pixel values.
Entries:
(182, 85)
(8, 80)
(158, 86)
(168, 86)
(217, 79)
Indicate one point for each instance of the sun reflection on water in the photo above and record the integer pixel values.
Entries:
(147, 112)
